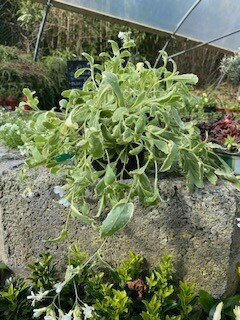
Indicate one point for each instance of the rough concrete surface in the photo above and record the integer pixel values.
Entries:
(9, 159)
(198, 229)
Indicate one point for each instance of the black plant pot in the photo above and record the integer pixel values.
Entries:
(131, 165)
(211, 107)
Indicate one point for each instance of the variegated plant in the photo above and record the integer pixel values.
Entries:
(123, 112)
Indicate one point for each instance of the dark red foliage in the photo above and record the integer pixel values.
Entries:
(226, 126)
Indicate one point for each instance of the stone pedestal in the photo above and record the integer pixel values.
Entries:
(198, 229)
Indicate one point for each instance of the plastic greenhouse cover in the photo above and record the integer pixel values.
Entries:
(209, 20)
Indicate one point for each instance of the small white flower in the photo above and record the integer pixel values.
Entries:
(58, 190)
(121, 35)
(38, 312)
(236, 311)
(139, 66)
(238, 222)
(48, 318)
(8, 281)
(27, 193)
(87, 311)
(217, 313)
(64, 202)
(58, 286)
(66, 317)
(22, 151)
(37, 297)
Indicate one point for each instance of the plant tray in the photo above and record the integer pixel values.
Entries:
(233, 161)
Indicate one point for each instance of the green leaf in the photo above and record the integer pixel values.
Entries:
(79, 72)
(231, 302)
(112, 80)
(76, 214)
(37, 155)
(127, 136)
(48, 125)
(140, 124)
(100, 187)
(129, 44)
(193, 168)
(125, 54)
(109, 176)
(212, 178)
(89, 58)
(177, 118)
(117, 218)
(38, 124)
(185, 78)
(115, 47)
(171, 157)
(119, 113)
(69, 122)
(139, 99)
(161, 145)
(104, 55)
(96, 145)
(62, 235)
(136, 150)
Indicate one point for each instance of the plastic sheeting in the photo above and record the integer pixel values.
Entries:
(209, 20)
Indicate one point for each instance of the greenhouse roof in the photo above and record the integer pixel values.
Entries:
(201, 20)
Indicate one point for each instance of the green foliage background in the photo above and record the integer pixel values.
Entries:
(71, 32)
(18, 71)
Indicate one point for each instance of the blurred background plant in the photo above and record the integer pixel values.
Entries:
(72, 32)
(47, 77)
(13, 125)
(230, 66)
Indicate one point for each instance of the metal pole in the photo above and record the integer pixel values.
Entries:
(176, 30)
(203, 44)
(44, 18)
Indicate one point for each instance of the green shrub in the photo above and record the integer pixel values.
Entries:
(127, 292)
(230, 66)
(18, 71)
(13, 125)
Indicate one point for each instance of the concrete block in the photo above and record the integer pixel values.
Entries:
(199, 229)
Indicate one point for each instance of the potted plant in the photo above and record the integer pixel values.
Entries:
(226, 133)
(123, 112)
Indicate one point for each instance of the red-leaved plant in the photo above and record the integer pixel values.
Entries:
(226, 132)
(225, 127)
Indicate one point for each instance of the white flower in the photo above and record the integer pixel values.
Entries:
(58, 286)
(236, 311)
(121, 35)
(8, 281)
(38, 312)
(64, 202)
(217, 313)
(87, 311)
(22, 150)
(37, 297)
(58, 190)
(139, 66)
(66, 317)
(27, 194)
(48, 318)
(238, 222)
